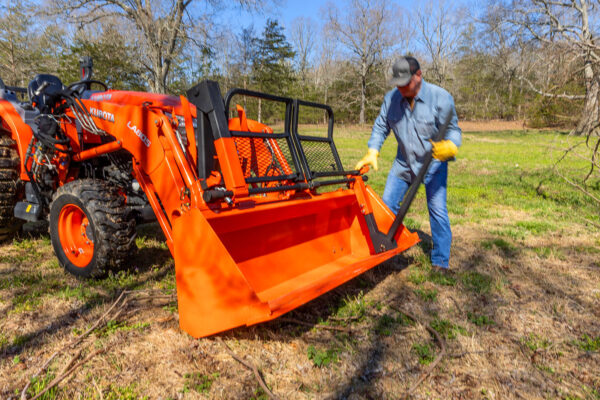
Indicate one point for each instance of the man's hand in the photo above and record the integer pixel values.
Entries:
(370, 158)
(444, 150)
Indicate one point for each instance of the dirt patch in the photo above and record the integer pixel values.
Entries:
(491, 126)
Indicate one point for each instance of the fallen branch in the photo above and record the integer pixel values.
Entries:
(251, 367)
(75, 342)
(60, 378)
(578, 187)
(435, 362)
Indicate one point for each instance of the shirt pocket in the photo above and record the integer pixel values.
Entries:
(425, 127)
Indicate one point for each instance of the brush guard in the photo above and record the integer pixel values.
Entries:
(266, 241)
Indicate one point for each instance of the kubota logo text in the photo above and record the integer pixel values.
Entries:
(139, 134)
(102, 114)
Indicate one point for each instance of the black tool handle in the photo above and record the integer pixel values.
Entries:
(412, 190)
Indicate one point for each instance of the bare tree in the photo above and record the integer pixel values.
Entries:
(566, 24)
(303, 35)
(160, 23)
(364, 28)
(439, 30)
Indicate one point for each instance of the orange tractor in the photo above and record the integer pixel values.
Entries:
(242, 207)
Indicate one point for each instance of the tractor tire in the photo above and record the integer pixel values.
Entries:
(91, 229)
(11, 188)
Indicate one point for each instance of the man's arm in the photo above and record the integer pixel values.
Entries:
(381, 128)
(453, 132)
(447, 148)
(379, 133)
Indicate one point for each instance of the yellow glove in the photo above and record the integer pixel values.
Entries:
(444, 150)
(370, 158)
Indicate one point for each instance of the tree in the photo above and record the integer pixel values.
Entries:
(112, 55)
(565, 24)
(303, 35)
(272, 65)
(163, 27)
(364, 30)
(439, 32)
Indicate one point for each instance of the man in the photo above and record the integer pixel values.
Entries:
(415, 110)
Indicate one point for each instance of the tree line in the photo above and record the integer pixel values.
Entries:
(532, 60)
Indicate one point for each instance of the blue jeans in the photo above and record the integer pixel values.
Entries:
(435, 188)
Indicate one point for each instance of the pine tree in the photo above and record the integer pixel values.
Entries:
(272, 68)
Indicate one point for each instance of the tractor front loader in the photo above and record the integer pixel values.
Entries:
(241, 206)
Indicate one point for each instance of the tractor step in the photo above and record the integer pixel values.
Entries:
(28, 211)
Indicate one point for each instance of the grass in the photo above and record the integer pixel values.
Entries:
(129, 392)
(113, 327)
(425, 353)
(427, 294)
(476, 282)
(354, 307)
(535, 342)
(480, 319)
(322, 357)
(588, 343)
(38, 384)
(447, 328)
(523, 212)
(518, 176)
(198, 382)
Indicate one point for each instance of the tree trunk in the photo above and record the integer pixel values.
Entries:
(259, 110)
(589, 118)
(363, 96)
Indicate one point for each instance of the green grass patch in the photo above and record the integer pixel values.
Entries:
(28, 301)
(354, 307)
(549, 252)
(440, 278)
(198, 382)
(588, 343)
(417, 276)
(39, 383)
(412, 224)
(322, 357)
(535, 228)
(545, 368)
(427, 294)
(21, 280)
(20, 340)
(535, 342)
(424, 352)
(476, 282)
(113, 327)
(480, 319)
(447, 328)
(500, 244)
(129, 392)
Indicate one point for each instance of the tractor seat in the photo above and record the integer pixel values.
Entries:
(45, 97)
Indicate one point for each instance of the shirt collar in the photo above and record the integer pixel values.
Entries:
(423, 92)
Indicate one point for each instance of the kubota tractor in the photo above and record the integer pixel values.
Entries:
(242, 208)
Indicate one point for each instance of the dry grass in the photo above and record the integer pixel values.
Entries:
(491, 126)
(511, 335)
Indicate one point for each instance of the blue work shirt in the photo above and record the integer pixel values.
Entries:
(414, 128)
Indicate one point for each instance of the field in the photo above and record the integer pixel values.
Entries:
(519, 318)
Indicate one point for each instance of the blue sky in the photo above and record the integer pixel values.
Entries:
(288, 10)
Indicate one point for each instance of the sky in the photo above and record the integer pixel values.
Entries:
(288, 10)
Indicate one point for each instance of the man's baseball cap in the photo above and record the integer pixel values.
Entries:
(403, 69)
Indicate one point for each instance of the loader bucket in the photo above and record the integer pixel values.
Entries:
(282, 243)
(248, 266)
